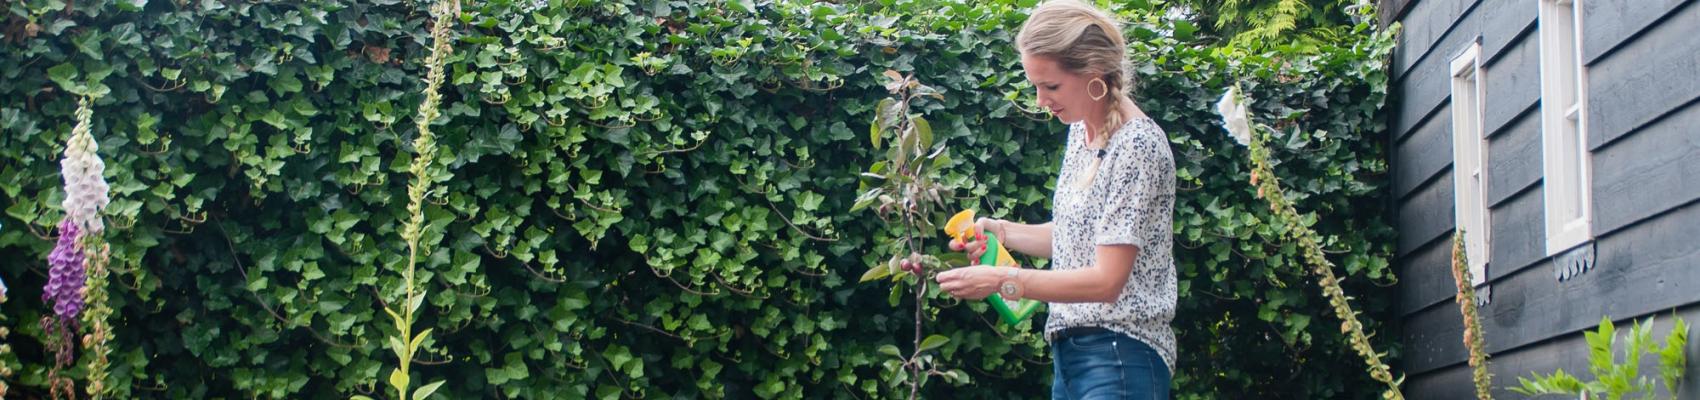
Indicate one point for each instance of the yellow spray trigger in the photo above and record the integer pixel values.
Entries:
(960, 227)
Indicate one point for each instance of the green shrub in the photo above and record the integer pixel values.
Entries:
(634, 198)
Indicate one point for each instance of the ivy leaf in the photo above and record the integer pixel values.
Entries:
(1184, 30)
(132, 5)
(746, 6)
(65, 75)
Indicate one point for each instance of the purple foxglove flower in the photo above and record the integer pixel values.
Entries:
(65, 274)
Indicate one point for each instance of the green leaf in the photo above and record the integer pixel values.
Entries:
(1184, 30)
(65, 75)
(746, 6)
(933, 342)
(398, 380)
(285, 84)
(414, 303)
(925, 130)
(424, 392)
(1557, 383)
(884, 114)
(132, 5)
(866, 199)
(879, 270)
(954, 259)
(1600, 344)
(1673, 357)
(891, 350)
(895, 295)
(414, 346)
(618, 356)
(397, 347)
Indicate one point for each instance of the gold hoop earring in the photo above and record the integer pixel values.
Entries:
(1100, 82)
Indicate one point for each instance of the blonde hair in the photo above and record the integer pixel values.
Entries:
(1084, 41)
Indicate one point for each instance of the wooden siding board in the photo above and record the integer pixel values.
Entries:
(1513, 85)
(1608, 23)
(1427, 214)
(1648, 172)
(1425, 277)
(1451, 383)
(1428, 23)
(1420, 94)
(1424, 153)
(1644, 79)
(1506, 21)
(1519, 235)
(1433, 339)
(1514, 158)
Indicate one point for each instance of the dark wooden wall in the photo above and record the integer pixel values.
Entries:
(1643, 62)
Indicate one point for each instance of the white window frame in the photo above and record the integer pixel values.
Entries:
(1566, 162)
(1469, 159)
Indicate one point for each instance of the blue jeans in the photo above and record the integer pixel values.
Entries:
(1107, 365)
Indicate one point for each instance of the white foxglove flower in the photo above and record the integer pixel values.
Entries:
(85, 184)
(1232, 110)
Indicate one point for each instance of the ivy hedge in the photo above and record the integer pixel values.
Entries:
(637, 198)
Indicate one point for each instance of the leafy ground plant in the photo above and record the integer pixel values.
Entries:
(1614, 379)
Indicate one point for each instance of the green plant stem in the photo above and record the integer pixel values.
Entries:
(914, 362)
(100, 332)
(425, 149)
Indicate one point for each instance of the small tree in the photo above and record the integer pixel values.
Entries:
(904, 190)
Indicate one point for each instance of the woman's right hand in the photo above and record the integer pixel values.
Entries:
(976, 245)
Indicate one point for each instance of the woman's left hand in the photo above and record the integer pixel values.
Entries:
(971, 283)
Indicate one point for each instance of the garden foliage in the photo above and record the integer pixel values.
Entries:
(635, 198)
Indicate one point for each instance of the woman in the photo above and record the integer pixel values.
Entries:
(1111, 287)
